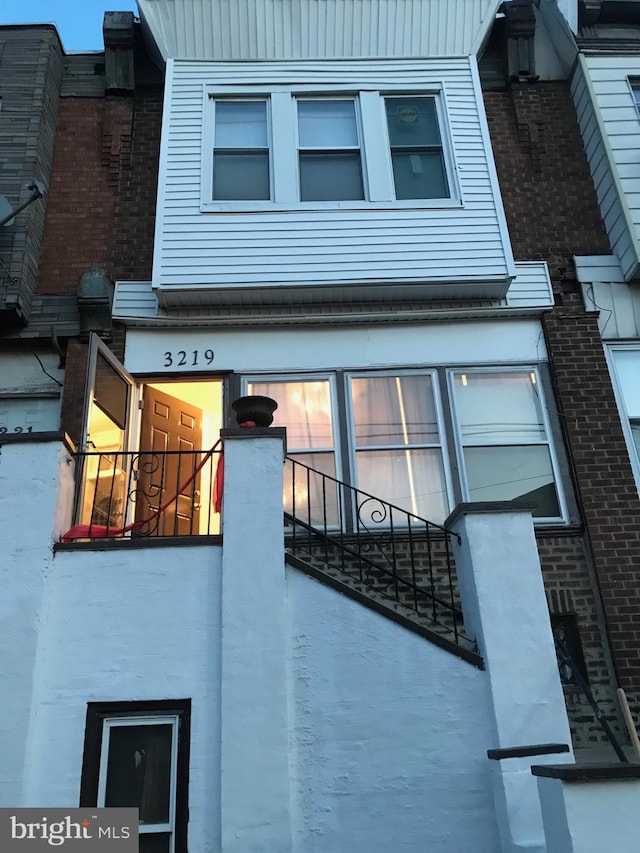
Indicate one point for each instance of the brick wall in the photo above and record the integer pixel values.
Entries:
(101, 209)
(552, 214)
(82, 197)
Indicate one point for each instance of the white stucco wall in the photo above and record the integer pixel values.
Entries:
(389, 734)
(127, 625)
(36, 489)
(381, 737)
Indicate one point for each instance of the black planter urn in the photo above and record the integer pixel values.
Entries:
(254, 408)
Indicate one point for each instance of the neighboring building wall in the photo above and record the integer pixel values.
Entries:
(101, 202)
(611, 132)
(83, 193)
(552, 213)
(31, 61)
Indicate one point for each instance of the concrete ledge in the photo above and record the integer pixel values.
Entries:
(123, 542)
(38, 438)
(479, 507)
(256, 432)
(524, 751)
(587, 772)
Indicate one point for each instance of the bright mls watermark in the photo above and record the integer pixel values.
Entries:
(88, 830)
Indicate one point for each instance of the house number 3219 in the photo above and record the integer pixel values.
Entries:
(190, 358)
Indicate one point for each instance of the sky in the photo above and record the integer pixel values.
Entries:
(79, 22)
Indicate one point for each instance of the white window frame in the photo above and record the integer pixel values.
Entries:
(110, 723)
(208, 162)
(442, 433)
(625, 417)
(548, 442)
(355, 99)
(377, 171)
(634, 88)
(451, 445)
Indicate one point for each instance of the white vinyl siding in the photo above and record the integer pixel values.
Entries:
(443, 240)
(610, 128)
(289, 29)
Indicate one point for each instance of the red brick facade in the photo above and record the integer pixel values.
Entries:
(552, 214)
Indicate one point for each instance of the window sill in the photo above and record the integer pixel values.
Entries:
(276, 207)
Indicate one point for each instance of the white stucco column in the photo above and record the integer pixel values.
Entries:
(590, 808)
(255, 809)
(36, 494)
(505, 608)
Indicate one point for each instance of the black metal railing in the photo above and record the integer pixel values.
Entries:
(395, 553)
(147, 493)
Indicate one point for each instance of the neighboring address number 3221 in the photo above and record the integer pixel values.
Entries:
(188, 358)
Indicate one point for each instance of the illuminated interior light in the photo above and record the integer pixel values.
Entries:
(463, 377)
(533, 378)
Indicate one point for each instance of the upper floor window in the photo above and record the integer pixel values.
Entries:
(329, 151)
(290, 149)
(634, 82)
(416, 149)
(241, 151)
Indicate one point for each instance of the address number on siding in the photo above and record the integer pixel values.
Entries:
(5, 431)
(188, 358)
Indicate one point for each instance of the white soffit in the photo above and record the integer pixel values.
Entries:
(295, 29)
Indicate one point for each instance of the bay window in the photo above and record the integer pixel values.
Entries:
(288, 147)
(397, 435)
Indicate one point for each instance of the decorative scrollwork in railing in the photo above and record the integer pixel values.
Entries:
(396, 553)
(146, 493)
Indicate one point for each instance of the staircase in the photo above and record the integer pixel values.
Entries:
(378, 554)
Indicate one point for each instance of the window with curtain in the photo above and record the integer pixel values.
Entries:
(388, 435)
(397, 442)
(504, 445)
(305, 408)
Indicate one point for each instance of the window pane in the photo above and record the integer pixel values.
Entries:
(327, 124)
(498, 408)
(419, 174)
(111, 391)
(627, 364)
(139, 770)
(241, 176)
(304, 408)
(330, 176)
(510, 473)
(394, 410)
(241, 124)
(411, 479)
(412, 121)
(154, 842)
(306, 495)
(635, 433)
